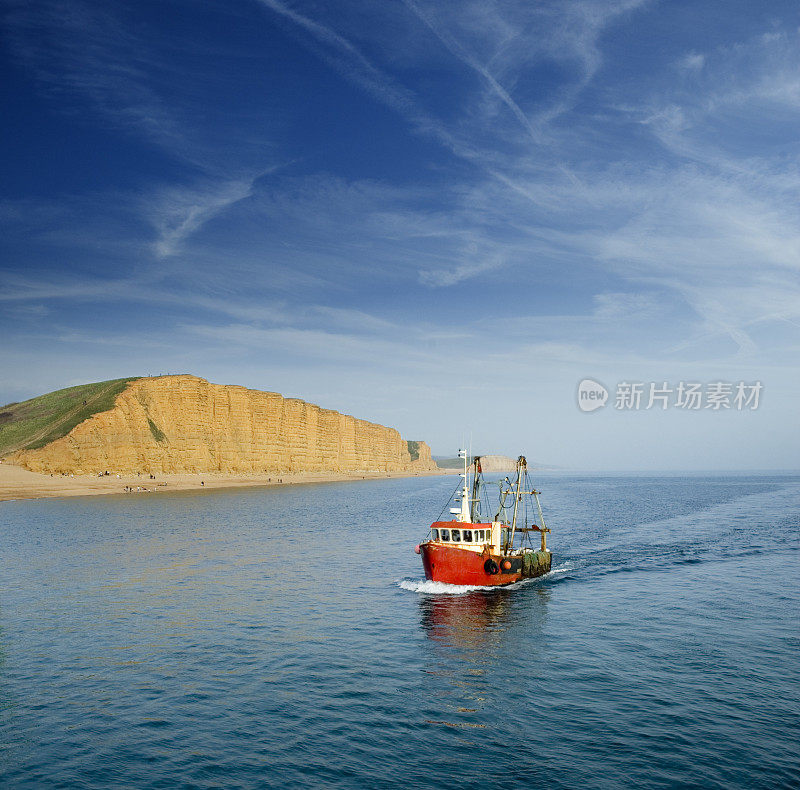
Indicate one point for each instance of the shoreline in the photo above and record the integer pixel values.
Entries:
(17, 483)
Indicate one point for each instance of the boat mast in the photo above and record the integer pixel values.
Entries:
(474, 505)
(462, 511)
(522, 464)
(464, 514)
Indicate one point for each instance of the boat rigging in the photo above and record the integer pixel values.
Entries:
(470, 551)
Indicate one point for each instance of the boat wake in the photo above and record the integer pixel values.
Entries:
(436, 588)
(426, 587)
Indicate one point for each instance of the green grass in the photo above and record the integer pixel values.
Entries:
(449, 463)
(413, 449)
(39, 421)
(158, 434)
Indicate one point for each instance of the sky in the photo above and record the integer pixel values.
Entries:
(436, 216)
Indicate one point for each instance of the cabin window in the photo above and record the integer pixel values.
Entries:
(481, 535)
(444, 534)
(434, 534)
(467, 536)
(456, 535)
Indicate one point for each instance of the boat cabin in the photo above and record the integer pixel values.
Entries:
(469, 536)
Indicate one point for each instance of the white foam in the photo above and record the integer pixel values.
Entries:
(427, 587)
(436, 588)
(567, 566)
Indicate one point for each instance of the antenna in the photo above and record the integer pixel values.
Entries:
(463, 510)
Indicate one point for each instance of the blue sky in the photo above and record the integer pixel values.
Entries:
(437, 216)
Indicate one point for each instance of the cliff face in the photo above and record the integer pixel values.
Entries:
(423, 459)
(173, 424)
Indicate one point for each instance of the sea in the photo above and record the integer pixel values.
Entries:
(286, 637)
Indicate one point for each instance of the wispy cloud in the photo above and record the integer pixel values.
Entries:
(692, 61)
(346, 58)
(107, 65)
(73, 47)
(456, 49)
(177, 213)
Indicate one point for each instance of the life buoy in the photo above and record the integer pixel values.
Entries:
(490, 566)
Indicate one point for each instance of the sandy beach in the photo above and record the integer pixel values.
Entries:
(19, 483)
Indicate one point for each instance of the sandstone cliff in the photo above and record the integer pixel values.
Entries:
(173, 424)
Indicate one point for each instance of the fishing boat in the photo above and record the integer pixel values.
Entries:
(469, 550)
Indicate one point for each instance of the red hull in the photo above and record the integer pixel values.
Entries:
(452, 565)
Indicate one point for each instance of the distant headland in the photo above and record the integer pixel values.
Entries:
(490, 464)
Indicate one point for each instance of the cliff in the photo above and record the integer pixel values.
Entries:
(421, 455)
(173, 424)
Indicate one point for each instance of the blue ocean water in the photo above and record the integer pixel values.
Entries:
(283, 637)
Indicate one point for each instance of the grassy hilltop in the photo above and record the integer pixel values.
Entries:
(39, 421)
